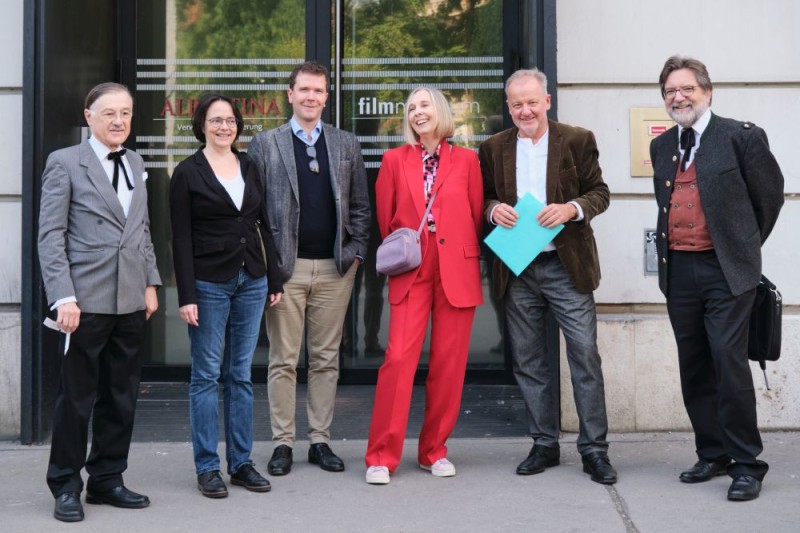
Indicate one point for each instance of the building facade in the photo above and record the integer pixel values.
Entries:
(602, 60)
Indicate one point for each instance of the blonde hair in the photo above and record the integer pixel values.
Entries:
(445, 126)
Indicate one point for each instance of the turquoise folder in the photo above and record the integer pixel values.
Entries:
(520, 245)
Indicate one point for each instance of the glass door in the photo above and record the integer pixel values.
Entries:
(378, 52)
(244, 49)
(386, 49)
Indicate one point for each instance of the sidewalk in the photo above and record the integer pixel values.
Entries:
(485, 496)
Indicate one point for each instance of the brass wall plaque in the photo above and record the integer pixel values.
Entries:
(647, 123)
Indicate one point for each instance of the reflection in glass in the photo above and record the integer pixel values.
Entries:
(390, 47)
(245, 49)
(241, 48)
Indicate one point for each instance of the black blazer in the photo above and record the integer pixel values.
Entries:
(211, 238)
(741, 191)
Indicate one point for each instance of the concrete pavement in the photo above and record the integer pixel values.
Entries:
(485, 496)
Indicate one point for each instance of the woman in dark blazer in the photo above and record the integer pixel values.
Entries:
(216, 206)
(444, 289)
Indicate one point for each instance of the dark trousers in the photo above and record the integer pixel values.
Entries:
(711, 328)
(100, 373)
(545, 284)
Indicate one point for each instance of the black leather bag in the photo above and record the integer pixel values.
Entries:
(764, 343)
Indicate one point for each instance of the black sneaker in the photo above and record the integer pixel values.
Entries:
(249, 478)
(210, 484)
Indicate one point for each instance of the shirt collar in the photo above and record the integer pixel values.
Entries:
(434, 155)
(543, 139)
(100, 149)
(297, 129)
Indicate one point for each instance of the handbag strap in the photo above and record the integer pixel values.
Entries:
(425, 216)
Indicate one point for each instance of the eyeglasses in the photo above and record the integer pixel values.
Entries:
(217, 122)
(313, 165)
(669, 94)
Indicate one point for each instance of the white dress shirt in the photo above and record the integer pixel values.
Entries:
(123, 193)
(699, 127)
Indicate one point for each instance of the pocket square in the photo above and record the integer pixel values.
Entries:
(144, 176)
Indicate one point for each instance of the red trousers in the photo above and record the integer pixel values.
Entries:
(449, 347)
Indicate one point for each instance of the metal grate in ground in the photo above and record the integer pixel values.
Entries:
(162, 414)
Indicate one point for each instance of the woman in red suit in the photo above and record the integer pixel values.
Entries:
(445, 288)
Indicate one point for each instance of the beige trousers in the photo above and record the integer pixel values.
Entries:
(314, 302)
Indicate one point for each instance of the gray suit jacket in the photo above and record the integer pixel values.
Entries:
(741, 192)
(87, 248)
(273, 154)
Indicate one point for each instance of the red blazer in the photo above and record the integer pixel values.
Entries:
(457, 210)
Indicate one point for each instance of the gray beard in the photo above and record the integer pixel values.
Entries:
(687, 119)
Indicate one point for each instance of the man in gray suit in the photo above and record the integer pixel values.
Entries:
(719, 191)
(100, 275)
(318, 211)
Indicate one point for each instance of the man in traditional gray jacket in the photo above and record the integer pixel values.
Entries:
(318, 210)
(719, 191)
(100, 276)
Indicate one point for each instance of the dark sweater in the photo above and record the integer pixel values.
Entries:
(317, 232)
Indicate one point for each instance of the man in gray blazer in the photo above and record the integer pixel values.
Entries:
(719, 191)
(318, 210)
(100, 276)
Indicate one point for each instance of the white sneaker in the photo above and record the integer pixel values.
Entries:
(441, 468)
(378, 475)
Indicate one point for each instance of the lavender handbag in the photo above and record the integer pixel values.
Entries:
(401, 250)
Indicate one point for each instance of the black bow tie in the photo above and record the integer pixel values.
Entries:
(687, 142)
(116, 157)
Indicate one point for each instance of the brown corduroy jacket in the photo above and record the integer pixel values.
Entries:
(573, 174)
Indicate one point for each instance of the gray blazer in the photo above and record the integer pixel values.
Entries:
(87, 248)
(741, 191)
(273, 153)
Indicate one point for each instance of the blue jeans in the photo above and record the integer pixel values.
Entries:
(546, 284)
(223, 342)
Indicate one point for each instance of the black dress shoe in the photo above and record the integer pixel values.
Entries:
(68, 507)
(744, 488)
(322, 455)
(280, 463)
(119, 496)
(704, 470)
(210, 484)
(539, 458)
(249, 478)
(598, 465)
